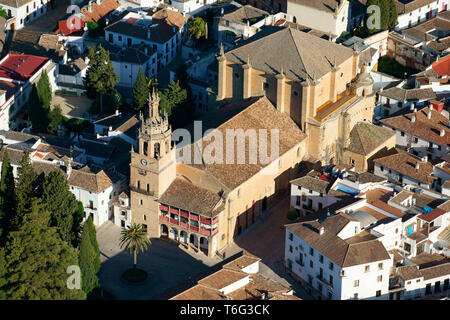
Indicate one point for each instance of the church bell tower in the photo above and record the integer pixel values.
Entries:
(153, 166)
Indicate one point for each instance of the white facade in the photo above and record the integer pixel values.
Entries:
(165, 52)
(421, 14)
(191, 6)
(10, 108)
(306, 201)
(325, 21)
(421, 146)
(394, 176)
(26, 13)
(336, 283)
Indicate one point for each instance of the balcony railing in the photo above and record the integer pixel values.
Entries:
(162, 218)
(173, 221)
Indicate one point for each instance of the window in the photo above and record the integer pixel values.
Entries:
(378, 293)
(297, 202)
(320, 205)
(380, 266)
(331, 280)
(291, 236)
(311, 264)
(402, 133)
(223, 236)
(311, 251)
(331, 266)
(380, 278)
(321, 258)
(236, 75)
(356, 283)
(141, 202)
(145, 217)
(295, 93)
(290, 248)
(367, 269)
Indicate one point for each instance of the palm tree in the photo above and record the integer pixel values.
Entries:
(135, 239)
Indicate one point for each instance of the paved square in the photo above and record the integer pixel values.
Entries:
(165, 263)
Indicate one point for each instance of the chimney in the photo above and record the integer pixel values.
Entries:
(429, 114)
(90, 6)
(117, 112)
(221, 11)
(417, 166)
(107, 21)
(413, 118)
(425, 158)
(321, 230)
(110, 128)
(442, 133)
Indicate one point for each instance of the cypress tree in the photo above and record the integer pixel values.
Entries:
(86, 258)
(140, 91)
(7, 196)
(37, 260)
(101, 78)
(89, 224)
(61, 203)
(25, 188)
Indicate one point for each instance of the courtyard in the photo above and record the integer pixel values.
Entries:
(73, 106)
(168, 264)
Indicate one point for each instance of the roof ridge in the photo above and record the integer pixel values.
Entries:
(298, 52)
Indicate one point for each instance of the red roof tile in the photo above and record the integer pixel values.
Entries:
(21, 67)
(432, 215)
(442, 66)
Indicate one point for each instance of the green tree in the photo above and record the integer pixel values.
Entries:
(61, 203)
(55, 118)
(134, 238)
(393, 14)
(7, 196)
(37, 260)
(39, 101)
(196, 28)
(140, 91)
(172, 97)
(87, 260)
(25, 188)
(101, 78)
(3, 13)
(89, 226)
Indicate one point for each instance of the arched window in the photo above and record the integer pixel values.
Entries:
(157, 150)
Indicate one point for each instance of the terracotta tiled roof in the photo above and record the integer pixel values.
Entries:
(222, 278)
(304, 55)
(406, 7)
(99, 11)
(95, 182)
(442, 67)
(436, 271)
(242, 262)
(15, 3)
(245, 13)
(422, 127)
(171, 17)
(337, 250)
(433, 215)
(379, 198)
(366, 137)
(409, 272)
(405, 95)
(260, 114)
(405, 164)
(187, 196)
(311, 183)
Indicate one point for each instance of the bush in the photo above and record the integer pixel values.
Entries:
(292, 214)
(392, 67)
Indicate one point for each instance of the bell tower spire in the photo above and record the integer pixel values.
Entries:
(153, 105)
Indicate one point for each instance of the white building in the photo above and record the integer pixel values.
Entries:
(159, 31)
(18, 73)
(191, 6)
(417, 11)
(122, 211)
(423, 133)
(329, 16)
(24, 11)
(325, 257)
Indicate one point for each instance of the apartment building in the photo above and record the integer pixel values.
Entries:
(161, 31)
(424, 133)
(416, 11)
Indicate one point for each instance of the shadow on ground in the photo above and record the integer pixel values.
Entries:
(166, 265)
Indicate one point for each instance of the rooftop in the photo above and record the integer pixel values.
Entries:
(422, 127)
(366, 137)
(305, 56)
(20, 67)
